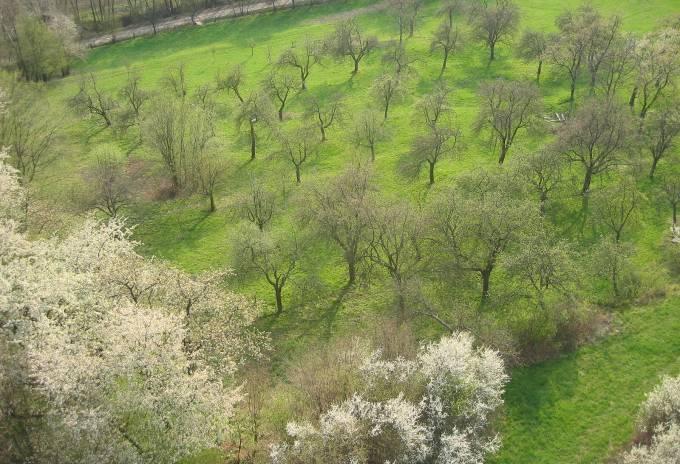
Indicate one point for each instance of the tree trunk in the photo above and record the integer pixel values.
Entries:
(572, 89)
(279, 299)
(586, 181)
(323, 133)
(504, 151)
(356, 66)
(372, 152)
(538, 71)
(431, 172)
(544, 199)
(387, 107)
(492, 51)
(297, 173)
(446, 58)
(675, 215)
(655, 161)
(351, 270)
(633, 96)
(212, 202)
(252, 141)
(486, 280)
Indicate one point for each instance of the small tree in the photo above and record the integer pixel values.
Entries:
(93, 101)
(110, 186)
(133, 95)
(447, 39)
(386, 88)
(298, 146)
(279, 85)
(600, 46)
(533, 46)
(543, 172)
(175, 81)
(397, 235)
(430, 148)
(342, 211)
(507, 107)
(495, 23)
(274, 255)
(303, 59)
(231, 82)
(617, 206)
(349, 41)
(368, 131)
(595, 137)
(256, 109)
(660, 133)
(671, 187)
(325, 112)
(657, 66)
(619, 65)
(398, 58)
(612, 261)
(257, 205)
(434, 106)
(208, 174)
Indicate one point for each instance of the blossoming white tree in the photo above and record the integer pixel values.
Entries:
(124, 359)
(436, 408)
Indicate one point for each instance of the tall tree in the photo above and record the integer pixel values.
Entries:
(495, 23)
(350, 41)
(533, 46)
(661, 131)
(279, 85)
(302, 59)
(507, 107)
(257, 108)
(342, 212)
(446, 38)
(596, 137)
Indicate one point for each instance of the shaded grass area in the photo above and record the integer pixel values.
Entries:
(582, 407)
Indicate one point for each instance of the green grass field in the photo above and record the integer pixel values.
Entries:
(575, 409)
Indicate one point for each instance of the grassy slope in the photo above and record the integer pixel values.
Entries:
(557, 412)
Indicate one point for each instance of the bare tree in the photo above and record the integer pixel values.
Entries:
(616, 206)
(303, 59)
(671, 187)
(92, 100)
(447, 39)
(325, 112)
(533, 46)
(257, 205)
(507, 107)
(386, 88)
(600, 46)
(274, 255)
(179, 132)
(342, 210)
(134, 96)
(298, 146)
(434, 106)
(568, 48)
(439, 141)
(231, 82)
(476, 227)
(543, 172)
(398, 58)
(208, 174)
(349, 41)
(495, 23)
(27, 130)
(620, 64)
(657, 66)
(255, 109)
(596, 137)
(109, 184)
(400, 10)
(368, 131)
(396, 244)
(279, 85)
(175, 81)
(660, 133)
(450, 8)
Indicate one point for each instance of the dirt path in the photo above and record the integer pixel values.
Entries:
(349, 14)
(205, 16)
